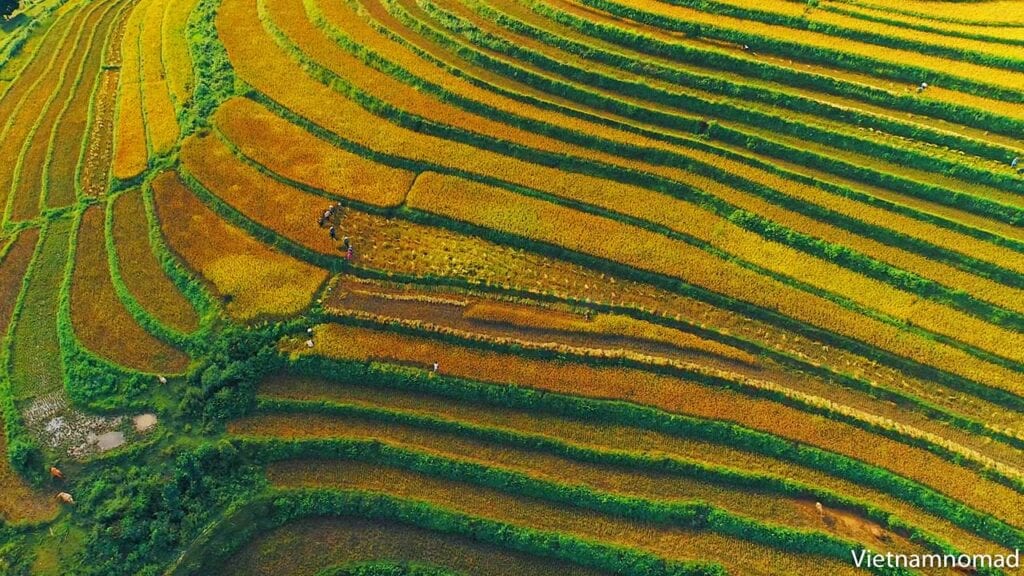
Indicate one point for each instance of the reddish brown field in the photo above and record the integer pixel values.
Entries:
(140, 269)
(12, 271)
(100, 320)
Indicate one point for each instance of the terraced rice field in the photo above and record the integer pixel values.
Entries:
(100, 319)
(436, 287)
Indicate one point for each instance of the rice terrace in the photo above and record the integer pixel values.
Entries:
(511, 287)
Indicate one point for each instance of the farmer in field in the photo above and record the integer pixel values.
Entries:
(1016, 160)
(333, 233)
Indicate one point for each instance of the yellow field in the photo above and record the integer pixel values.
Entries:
(255, 281)
(131, 154)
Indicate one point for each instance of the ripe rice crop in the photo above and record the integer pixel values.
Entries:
(604, 72)
(434, 312)
(50, 46)
(244, 41)
(667, 542)
(131, 155)
(255, 280)
(174, 46)
(848, 284)
(991, 12)
(292, 213)
(672, 288)
(161, 121)
(14, 261)
(845, 26)
(817, 41)
(936, 93)
(30, 194)
(902, 33)
(26, 115)
(956, 26)
(585, 24)
(1004, 296)
(667, 393)
(140, 269)
(288, 150)
(66, 147)
(766, 508)
(489, 207)
(100, 320)
(603, 436)
(247, 43)
(806, 193)
(19, 49)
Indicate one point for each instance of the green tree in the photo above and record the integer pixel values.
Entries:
(7, 7)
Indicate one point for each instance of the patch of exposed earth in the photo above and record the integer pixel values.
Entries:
(62, 428)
